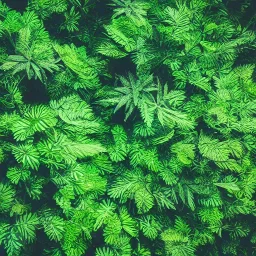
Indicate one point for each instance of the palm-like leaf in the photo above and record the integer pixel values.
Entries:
(7, 194)
(26, 226)
(128, 223)
(54, 227)
(104, 213)
(78, 61)
(37, 119)
(133, 9)
(26, 154)
(166, 106)
(150, 227)
(144, 200)
(17, 174)
(34, 51)
(105, 251)
(134, 92)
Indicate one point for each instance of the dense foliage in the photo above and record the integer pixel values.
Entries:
(127, 127)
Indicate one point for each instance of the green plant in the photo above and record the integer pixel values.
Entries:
(127, 128)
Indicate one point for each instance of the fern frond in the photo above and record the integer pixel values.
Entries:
(71, 20)
(15, 175)
(178, 19)
(135, 10)
(113, 230)
(185, 152)
(34, 53)
(150, 227)
(7, 194)
(26, 226)
(13, 243)
(37, 119)
(213, 148)
(117, 153)
(128, 223)
(110, 50)
(104, 213)
(77, 60)
(114, 31)
(144, 200)
(54, 227)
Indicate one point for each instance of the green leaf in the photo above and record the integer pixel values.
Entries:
(26, 226)
(77, 60)
(110, 50)
(150, 227)
(213, 149)
(37, 119)
(54, 228)
(128, 223)
(185, 152)
(7, 194)
(135, 10)
(120, 37)
(26, 154)
(76, 112)
(144, 201)
(13, 243)
(112, 230)
(163, 139)
(104, 213)
(104, 251)
(15, 175)
(34, 52)
(117, 153)
(229, 186)
(81, 150)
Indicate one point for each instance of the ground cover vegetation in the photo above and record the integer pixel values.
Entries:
(127, 127)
